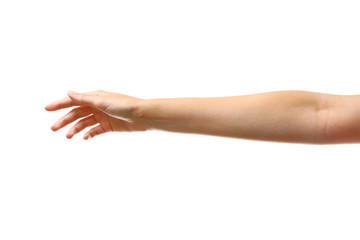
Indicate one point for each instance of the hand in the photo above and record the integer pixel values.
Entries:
(113, 111)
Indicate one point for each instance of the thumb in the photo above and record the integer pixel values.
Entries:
(84, 99)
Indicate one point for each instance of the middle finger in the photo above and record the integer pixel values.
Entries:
(71, 116)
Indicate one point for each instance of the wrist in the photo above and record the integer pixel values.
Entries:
(140, 112)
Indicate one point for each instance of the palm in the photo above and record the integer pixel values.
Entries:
(108, 123)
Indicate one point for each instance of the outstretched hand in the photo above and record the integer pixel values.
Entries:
(111, 111)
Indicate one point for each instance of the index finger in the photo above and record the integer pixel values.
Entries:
(65, 102)
(60, 104)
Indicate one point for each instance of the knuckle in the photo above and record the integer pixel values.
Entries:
(64, 120)
(76, 112)
(76, 128)
(99, 92)
(91, 133)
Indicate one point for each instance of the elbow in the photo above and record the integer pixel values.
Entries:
(323, 126)
(323, 117)
(339, 120)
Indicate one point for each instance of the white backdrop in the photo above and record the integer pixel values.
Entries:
(162, 185)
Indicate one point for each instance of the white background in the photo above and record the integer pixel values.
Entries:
(162, 185)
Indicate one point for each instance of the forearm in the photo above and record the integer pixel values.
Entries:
(286, 116)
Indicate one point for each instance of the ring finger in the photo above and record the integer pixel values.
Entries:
(81, 125)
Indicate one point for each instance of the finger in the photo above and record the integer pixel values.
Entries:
(60, 104)
(71, 116)
(94, 132)
(81, 125)
(83, 99)
(68, 102)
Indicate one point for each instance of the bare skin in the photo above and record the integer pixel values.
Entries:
(110, 111)
(281, 116)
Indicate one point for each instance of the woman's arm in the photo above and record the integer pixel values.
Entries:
(284, 116)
